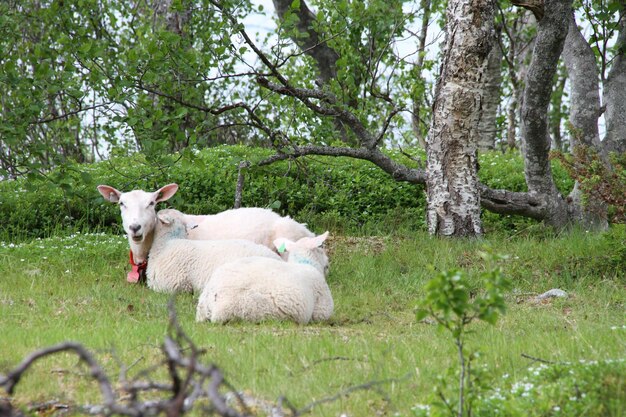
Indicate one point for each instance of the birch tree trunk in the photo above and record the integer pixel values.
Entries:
(584, 88)
(517, 58)
(487, 127)
(451, 148)
(615, 95)
(584, 113)
(552, 29)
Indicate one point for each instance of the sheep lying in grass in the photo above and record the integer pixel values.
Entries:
(179, 264)
(258, 288)
(137, 207)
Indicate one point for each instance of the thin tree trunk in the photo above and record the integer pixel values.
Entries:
(310, 42)
(511, 117)
(615, 95)
(418, 102)
(556, 114)
(174, 21)
(551, 32)
(517, 57)
(452, 183)
(488, 127)
(584, 88)
(461, 406)
(584, 113)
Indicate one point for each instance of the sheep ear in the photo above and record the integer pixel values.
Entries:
(109, 193)
(164, 218)
(313, 242)
(282, 244)
(166, 192)
(319, 240)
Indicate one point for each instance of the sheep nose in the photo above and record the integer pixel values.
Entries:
(134, 227)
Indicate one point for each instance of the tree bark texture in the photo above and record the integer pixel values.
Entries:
(615, 96)
(487, 126)
(551, 32)
(557, 103)
(584, 113)
(452, 183)
(517, 58)
(584, 88)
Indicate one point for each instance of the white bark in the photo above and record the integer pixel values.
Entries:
(452, 183)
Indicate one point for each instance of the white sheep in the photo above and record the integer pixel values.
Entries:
(138, 212)
(179, 264)
(257, 288)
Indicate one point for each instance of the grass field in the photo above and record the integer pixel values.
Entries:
(74, 288)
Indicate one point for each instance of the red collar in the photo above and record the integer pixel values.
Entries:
(138, 271)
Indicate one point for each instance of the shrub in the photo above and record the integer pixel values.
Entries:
(588, 388)
(343, 193)
(354, 192)
(599, 181)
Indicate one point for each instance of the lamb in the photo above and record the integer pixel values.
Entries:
(178, 264)
(138, 212)
(258, 288)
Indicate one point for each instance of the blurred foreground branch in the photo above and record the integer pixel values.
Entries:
(191, 385)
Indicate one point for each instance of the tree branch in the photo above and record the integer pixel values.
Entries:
(535, 6)
(510, 202)
(398, 171)
(10, 381)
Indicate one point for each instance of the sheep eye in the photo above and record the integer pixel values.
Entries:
(151, 204)
(122, 204)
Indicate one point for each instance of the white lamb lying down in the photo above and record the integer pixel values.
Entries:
(179, 264)
(258, 225)
(258, 288)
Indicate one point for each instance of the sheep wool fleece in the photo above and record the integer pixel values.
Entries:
(182, 265)
(255, 288)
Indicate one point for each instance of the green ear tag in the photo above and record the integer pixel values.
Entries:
(282, 248)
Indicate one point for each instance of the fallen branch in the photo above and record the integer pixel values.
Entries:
(534, 359)
(190, 385)
(190, 381)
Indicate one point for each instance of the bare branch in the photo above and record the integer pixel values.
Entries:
(10, 381)
(510, 202)
(68, 114)
(398, 171)
(534, 359)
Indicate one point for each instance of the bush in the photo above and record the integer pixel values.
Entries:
(588, 388)
(350, 193)
(344, 194)
(599, 180)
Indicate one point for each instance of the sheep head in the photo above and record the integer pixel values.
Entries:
(138, 212)
(306, 250)
(171, 224)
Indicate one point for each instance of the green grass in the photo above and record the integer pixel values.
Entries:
(74, 288)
